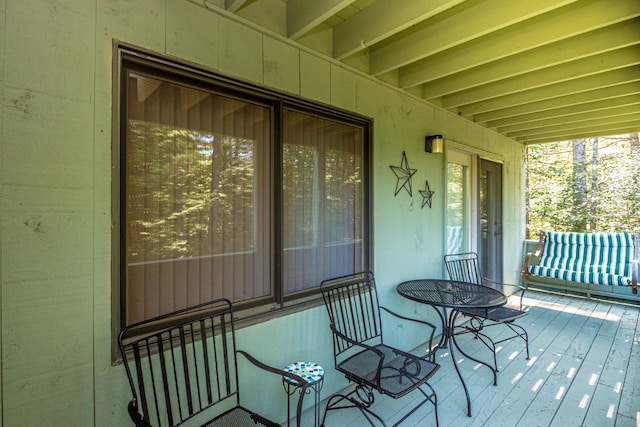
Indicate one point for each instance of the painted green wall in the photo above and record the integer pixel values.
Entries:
(55, 154)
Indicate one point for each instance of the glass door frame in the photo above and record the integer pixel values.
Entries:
(470, 198)
(468, 156)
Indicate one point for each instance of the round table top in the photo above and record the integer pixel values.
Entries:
(451, 293)
(309, 371)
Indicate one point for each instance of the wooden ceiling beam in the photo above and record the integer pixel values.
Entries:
(528, 69)
(501, 105)
(633, 99)
(546, 131)
(556, 54)
(570, 22)
(586, 133)
(304, 15)
(607, 61)
(562, 101)
(382, 20)
(235, 5)
(587, 116)
(454, 27)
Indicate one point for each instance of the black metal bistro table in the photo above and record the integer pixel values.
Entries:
(443, 294)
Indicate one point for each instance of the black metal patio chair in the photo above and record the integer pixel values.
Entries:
(361, 354)
(183, 366)
(464, 267)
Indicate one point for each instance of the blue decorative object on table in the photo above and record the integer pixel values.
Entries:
(311, 372)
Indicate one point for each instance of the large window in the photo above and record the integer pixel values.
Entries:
(231, 191)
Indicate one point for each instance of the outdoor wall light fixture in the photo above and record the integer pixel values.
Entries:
(434, 144)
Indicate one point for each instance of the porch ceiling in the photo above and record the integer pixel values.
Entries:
(534, 70)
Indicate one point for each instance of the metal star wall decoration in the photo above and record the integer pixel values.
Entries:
(426, 194)
(404, 175)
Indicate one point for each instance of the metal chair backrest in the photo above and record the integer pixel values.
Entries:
(354, 311)
(182, 363)
(463, 267)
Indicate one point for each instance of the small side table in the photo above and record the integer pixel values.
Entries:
(311, 372)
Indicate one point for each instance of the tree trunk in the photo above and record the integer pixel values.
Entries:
(635, 140)
(579, 185)
(593, 201)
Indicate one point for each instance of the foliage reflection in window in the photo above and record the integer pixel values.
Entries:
(195, 219)
(198, 186)
(322, 199)
(179, 217)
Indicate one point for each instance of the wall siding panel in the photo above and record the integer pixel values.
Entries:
(55, 189)
(192, 34)
(47, 175)
(240, 51)
(315, 78)
(281, 63)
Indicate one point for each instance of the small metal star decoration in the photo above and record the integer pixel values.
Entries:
(404, 175)
(426, 194)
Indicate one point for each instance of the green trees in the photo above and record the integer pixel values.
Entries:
(191, 193)
(584, 185)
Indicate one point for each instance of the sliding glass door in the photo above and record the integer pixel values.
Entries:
(490, 250)
(474, 210)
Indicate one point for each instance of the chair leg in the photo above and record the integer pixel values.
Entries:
(475, 326)
(361, 398)
(433, 398)
(519, 331)
(522, 333)
(475, 329)
(429, 397)
(488, 342)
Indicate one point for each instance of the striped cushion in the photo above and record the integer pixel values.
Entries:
(599, 258)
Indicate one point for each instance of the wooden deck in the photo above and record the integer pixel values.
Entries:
(584, 370)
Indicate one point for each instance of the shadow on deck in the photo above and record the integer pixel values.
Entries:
(584, 370)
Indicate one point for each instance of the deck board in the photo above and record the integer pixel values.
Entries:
(628, 413)
(584, 370)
